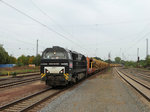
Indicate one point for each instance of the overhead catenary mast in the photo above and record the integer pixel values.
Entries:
(138, 58)
(146, 48)
(37, 48)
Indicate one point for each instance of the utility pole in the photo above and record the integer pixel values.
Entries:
(37, 48)
(146, 48)
(37, 52)
(123, 56)
(138, 58)
(109, 57)
(138, 54)
(96, 52)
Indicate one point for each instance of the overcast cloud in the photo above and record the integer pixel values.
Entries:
(96, 27)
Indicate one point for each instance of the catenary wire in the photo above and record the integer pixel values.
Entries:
(50, 18)
(50, 29)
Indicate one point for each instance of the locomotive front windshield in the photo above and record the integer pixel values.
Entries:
(54, 55)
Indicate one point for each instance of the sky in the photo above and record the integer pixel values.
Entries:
(90, 27)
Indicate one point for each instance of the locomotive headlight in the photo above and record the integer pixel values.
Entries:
(61, 71)
(47, 71)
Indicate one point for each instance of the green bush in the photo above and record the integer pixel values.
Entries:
(14, 74)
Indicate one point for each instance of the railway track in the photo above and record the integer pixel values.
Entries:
(138, 73)
(141, 74)
(36, 100)
(141, 87)
(20, 76)
(19, 82)
(31, 101)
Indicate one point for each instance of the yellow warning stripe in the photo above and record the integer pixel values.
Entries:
(42, 75)
(66, 76)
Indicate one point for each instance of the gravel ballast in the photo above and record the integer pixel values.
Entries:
(104, 93)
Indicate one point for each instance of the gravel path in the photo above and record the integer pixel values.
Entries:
(104, 93)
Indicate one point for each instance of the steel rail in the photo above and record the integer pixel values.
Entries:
(44, 99)
(140, 87)
(141, 74)
(20, 76)
(7, 106)
(18, 82)
(23, 105)
(146, 86)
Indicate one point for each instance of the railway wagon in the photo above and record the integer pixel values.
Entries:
(99, 65)
(61, 66)
(90, 69)
(94, 65)
(115, 65)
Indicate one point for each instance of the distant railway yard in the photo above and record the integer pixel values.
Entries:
(19, 80)
(71, 82)
(74, 56)
(117, 89)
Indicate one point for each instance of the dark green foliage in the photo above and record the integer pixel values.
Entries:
(118, 60)
(26, 60)
(5, 58)
(12, 60)
(130, 64)
(37, 60)
(21, 61)
(98, 58)
(14, 74)
(141, 63)
(147, 61)
(109, 61)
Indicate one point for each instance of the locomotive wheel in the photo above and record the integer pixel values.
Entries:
(53, 86)
(77, 80)
(74, 80)
(86, 75)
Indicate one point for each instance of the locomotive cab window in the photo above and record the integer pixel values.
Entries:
(54, 55)
(69, 56)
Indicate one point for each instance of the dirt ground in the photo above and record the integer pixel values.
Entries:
(8, 95)
(18, 70)
(104, 93)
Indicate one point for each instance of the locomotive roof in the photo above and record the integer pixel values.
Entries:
(58, 48)
(55, 48)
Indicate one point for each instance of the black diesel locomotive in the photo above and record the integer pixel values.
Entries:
(61, 66)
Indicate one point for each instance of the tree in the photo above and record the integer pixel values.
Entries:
(98, 58)
(31, 60)
(118, 60)
(142, 63)
(37, 60)
(3, 56)
(108, 61)
(130, 64)
(22, 60)
(147, 61)
(12, 60)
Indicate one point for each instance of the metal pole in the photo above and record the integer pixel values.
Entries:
(138, 58)
(137, 53)
(37, 48)
(146, 48)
